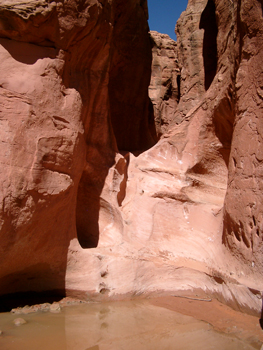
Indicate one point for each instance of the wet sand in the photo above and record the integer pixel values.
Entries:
(163, 323)
(221, 317)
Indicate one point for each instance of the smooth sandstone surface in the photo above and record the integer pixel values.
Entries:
(109, 190)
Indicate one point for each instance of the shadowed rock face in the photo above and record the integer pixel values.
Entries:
(208, 23)
(82, 168)
(61, 126)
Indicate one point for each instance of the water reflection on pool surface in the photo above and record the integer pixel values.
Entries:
(129, 325)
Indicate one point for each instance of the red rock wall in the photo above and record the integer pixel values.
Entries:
(61, 126)
(243, 203)
(220, 70)
(81, 166)
(130, 75)
(164, 89)
(232, 101)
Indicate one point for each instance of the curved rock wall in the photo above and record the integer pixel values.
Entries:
(58, 125)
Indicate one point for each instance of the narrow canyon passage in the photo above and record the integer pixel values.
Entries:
(131, 164)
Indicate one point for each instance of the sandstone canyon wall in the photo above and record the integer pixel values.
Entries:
(164, 89)
(61, 127)
(108, 193)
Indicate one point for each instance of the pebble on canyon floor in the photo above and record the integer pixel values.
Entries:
(31, 309)
(55, 307)
(19, 321)
(47, 306)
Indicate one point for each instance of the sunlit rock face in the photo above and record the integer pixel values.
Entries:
(92, 204)
(164, 89)
(243, 216)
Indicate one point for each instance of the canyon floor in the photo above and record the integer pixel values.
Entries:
(182, 322)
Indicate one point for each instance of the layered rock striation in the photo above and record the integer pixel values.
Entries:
(110, 191)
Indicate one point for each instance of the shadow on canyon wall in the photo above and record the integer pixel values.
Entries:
(112, 78)
(27, 53)
(121, 119)
(224, 112)
(261, 316)
(208, 23)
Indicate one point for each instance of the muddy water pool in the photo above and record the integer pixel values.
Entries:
(129, 325)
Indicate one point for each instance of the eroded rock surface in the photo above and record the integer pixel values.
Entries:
(58, 133)
(243, 217)
(78, 136)
(164, 89)
(175, 217)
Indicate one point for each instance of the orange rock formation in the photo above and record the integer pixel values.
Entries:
(110, 191)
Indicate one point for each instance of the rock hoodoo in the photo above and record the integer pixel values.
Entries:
(109, 190)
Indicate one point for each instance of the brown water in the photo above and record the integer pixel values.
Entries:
(129, 325)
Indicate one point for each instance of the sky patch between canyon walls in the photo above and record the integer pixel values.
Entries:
(163, 15)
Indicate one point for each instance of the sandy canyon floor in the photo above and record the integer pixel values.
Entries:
(160, 323)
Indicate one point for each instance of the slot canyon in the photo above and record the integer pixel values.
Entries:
(131, 164)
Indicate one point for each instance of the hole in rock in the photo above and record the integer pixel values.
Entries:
(218, 279)
(245, 240)
(224, 116)
(123, 170)
(199, 168)
(261, 2)
(90, 204)
(237, 236)
(88, 207)
(168, 92)
(14, 300)
(27, 53)
(104, 290)
(208, 23)
(178, 79)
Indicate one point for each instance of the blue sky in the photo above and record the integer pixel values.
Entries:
(163, 15)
